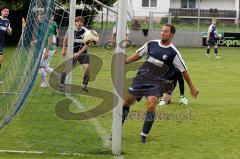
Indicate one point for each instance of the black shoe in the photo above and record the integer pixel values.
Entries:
(110, 138)
(143, 139)
(61, 87)
(84, 89)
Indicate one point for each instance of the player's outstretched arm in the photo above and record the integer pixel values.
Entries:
(193, 90)
(132, 58)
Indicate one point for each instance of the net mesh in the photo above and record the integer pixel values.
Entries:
(39, 125)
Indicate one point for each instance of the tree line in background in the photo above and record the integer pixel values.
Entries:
(19, 9)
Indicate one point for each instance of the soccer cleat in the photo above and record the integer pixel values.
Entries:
(183, 101)
(217, 57)
(84, 88)
(44, 85)
(143, 139)
(61, 87)
(1, 82)
(162, 102)
(207, 55)
(110, 137)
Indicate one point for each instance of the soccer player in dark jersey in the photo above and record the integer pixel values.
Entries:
(4, 27)
(80, 53)
(212, 38)
(176, 77)
(159, 55)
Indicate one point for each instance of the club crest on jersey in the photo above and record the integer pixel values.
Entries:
(165, 57)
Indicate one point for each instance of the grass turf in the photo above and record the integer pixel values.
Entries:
(207, 128)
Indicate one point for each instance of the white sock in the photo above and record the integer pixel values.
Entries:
(43, 74)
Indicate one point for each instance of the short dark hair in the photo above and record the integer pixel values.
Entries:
(4, 8)
(79, 18)
(172, 28)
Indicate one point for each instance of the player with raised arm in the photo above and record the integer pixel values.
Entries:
(159, 54)
(80, 53)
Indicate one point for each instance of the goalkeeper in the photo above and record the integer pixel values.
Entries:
(177, 76)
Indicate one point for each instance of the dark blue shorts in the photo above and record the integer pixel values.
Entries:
(144, 87)
(212, 42)
(174, 83)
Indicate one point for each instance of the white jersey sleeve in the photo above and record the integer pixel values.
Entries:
(210, 28)
(178, 61)
(142, 51)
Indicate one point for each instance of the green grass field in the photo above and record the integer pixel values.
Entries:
(206, 129)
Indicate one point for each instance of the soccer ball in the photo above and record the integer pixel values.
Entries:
(90, 37)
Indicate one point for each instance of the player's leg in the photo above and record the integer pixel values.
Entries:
(216, 50)
(86, 70)
(166, 99)
(128, 101)
(43, 75)
(63, 75)
(48, 69)
(208, 50)
(44, 68)
(85, 61)
(149, 118)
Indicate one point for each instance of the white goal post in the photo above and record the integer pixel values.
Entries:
(119, 73)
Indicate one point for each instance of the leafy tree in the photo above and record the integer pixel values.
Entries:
(14, 4)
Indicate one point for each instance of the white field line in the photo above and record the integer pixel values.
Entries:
(101, 131)
(37, 152)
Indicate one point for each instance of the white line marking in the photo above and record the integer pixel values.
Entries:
(101, 131)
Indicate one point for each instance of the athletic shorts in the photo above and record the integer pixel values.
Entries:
(45, 62)
(54, 39)
(212, 42)
(82, 59)
(144, 87)
(174, 83)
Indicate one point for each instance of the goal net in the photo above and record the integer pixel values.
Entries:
(36, 118)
